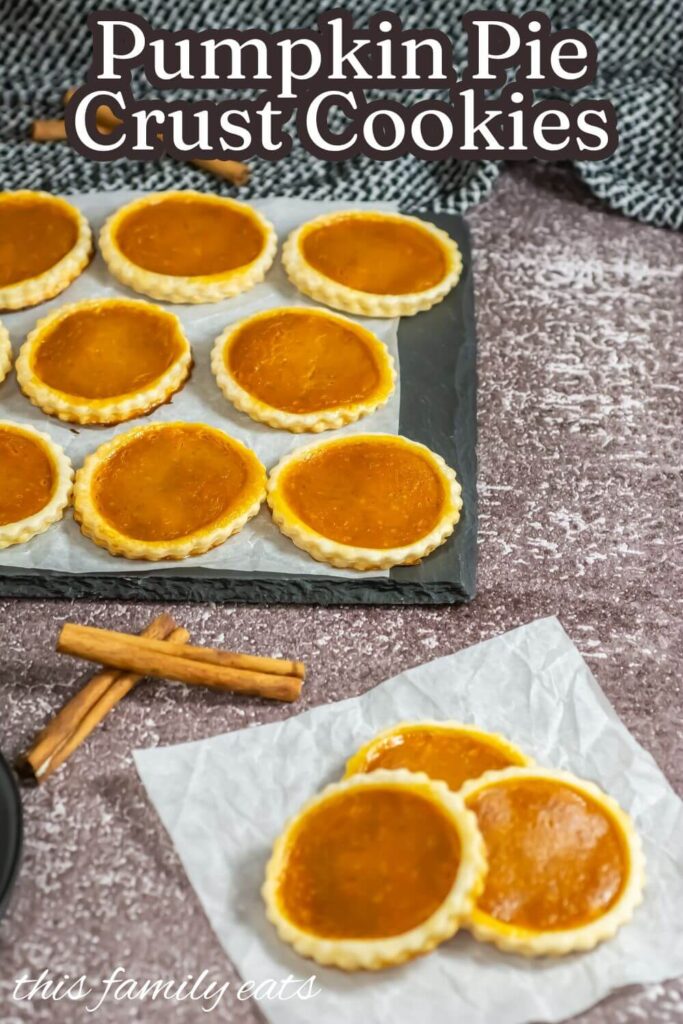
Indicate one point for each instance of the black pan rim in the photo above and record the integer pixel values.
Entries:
(15, 854)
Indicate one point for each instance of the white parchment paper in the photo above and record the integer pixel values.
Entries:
(259, 546)
(225, 799)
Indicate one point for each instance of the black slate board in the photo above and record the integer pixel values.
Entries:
(437, 355)
(10, 832)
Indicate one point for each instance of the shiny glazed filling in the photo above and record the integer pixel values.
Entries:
(27, 477)
(169, 482)
(303, 362)
(189, 236)
(35, 234)
(369, 864)
(101, 353)
(375, 255)
(454, 757)
(373, 493)
(556, 860)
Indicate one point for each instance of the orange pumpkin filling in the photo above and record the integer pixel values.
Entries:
(556, 859)
(189, 236)
(169, 482)
(27, 476)
(115, 349)
(446, 754)
(303, 361)
(36, 232)
(375, 254)
(372, 493)
(365, 865)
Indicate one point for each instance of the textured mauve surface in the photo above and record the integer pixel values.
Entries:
(580, 320)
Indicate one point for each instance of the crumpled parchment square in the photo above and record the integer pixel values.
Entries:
(225, 799)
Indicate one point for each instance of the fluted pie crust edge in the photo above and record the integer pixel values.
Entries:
(5, 352)
(22, 530)
(311, 422)
(103, 533)
(117, 409)
(171, 288)
(319, 286)
(44, 286)
(512, 938)
(374, 954)
(347, 556)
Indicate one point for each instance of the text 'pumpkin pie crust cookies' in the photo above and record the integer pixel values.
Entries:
(5, 352)
(45, 243)
(104, 360)
(566, 867)
(167, 490)
(302, 369)
(365, 501)
(375, 870)
(372, 263)
(188, 246)
(449, 751)
(35, 488)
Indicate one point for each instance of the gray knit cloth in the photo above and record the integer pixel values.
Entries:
(45, 47)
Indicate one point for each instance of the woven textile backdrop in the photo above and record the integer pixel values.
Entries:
(45, 47)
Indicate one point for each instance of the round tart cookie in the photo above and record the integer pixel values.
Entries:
(302, 369)
(566, 868)
(366, 501)
(5, 352)
(36, 480)
(376, 264)
(104, 360)
(375, 870)
(45, 243)
(168, 490)
(188, 246)
(449, 751)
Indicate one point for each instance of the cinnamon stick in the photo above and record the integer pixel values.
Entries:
(121, 685)
(233, 171)
(48, 131)
(132, 654)
(208, 655)
(65, 721)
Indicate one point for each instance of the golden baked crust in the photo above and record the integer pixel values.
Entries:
(515, 937)
(167, 491)
(369, 262)
(87, 330)
(307, 374)
(365, 474)
(5, 352)
(452, 752)
(57, 488)
(44, 285)
(377, 950)
(178, 286)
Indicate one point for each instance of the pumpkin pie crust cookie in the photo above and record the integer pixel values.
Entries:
(449, 751)
(372, 263)
(104, 360)
(188, 246)
(167, 490)
(566, 867)
(5, 352)
(45, 243)
(36, 483)
(366, 501)
(399, 836)
(302, 369)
